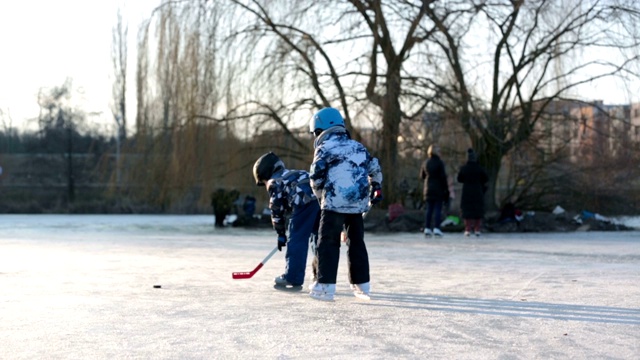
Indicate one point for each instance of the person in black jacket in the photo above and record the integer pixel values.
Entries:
(474, 181)
(435, 191)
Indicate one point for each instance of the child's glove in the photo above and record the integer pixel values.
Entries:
(376, 193)
(282, 241)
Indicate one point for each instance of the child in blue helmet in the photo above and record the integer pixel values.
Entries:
(289, 193)
(346, 179)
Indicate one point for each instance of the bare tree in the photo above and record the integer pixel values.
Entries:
(8, 132)
(536, 52)
(356, 57)
(59, 123)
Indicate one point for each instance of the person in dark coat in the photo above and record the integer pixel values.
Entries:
(435, 191)
(474, 181)
(222, 202)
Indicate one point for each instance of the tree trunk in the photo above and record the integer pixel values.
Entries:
(491, 160)
(70, 182)
(389, 155)
(391, 117)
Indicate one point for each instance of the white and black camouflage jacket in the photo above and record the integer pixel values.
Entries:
(342, 172)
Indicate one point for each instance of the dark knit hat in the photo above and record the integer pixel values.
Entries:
(471, 155)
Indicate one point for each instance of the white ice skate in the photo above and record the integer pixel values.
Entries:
(427, 232)
(437, 232)
(324, 292)
(361, 291)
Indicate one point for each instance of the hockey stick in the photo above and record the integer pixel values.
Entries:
(364, 214)
(249, 275)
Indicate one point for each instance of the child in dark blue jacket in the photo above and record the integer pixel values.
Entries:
(289, 193)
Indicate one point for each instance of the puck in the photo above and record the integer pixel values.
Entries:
(157, 286)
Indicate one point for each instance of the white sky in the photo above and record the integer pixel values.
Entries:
(44, 42)
(81, 287)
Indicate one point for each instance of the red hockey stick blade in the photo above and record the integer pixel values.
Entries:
(249, 275)
(242, 275)
(246, 275)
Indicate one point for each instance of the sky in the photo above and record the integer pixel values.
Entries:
(82, 287)
(44, 42)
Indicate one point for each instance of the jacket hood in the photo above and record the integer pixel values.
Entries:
(327, 133)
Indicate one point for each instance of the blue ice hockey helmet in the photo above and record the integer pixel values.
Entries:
(325, 118)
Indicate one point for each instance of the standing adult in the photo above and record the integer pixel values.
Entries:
(435, 191)
(474, 180)
(222, 202)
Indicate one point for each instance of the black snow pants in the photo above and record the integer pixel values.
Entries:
(331, 225)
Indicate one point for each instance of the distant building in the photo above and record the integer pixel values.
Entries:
(634, 120)
(588, 131)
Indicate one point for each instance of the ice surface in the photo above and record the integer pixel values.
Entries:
(82, 287)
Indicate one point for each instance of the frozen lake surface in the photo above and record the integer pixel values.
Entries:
(81, 287)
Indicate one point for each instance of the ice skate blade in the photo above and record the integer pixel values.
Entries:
(363, 297)
(321, 298)
(289, 288)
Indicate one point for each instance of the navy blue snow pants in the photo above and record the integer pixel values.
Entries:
(331, 225)
(434, 208)
(302, 225)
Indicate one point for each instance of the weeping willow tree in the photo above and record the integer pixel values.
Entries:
(119, 52)
(181, 151)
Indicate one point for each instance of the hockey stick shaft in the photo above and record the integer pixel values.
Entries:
(364, 214)
(249, 275)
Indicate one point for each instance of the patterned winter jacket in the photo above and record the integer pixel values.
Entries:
(288, 189)
(342, 171)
